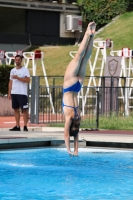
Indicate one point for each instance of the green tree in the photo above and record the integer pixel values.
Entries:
(130, 5)
(101, 11)
(4, 78)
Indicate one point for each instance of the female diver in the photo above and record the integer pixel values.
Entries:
(73, 80)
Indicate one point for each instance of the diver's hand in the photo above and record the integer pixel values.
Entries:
(71, 154)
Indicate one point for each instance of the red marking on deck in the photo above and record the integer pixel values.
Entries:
(9, 122)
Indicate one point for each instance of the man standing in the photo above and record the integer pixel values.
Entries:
(19, 79)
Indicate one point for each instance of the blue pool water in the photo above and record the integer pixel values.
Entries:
(39, 174)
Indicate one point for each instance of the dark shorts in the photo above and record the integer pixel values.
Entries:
(19, 101)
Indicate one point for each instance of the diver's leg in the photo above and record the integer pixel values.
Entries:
(75, 65)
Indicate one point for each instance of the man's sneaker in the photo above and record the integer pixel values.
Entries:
(25, 128)
(15, 128)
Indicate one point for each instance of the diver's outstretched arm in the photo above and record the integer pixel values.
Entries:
(66, 133)
(76, 145)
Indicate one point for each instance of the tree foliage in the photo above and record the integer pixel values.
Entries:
(130, 5)
(4, 78)
(101, 11)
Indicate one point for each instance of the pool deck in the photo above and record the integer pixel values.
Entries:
(51, 136)
(39, 135)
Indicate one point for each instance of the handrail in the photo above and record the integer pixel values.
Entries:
(41, 5)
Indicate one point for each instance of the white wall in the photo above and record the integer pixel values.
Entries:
(5, 107)
(12, 47)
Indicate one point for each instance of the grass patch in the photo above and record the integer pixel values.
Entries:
(110, 123)
(56, 58)
(116, 123)
(120, 31)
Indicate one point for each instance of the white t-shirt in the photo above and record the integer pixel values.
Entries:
(19, 87)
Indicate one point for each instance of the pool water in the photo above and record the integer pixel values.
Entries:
(49, 173)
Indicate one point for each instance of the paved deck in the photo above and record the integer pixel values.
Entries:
(51, 136)
(46, 136)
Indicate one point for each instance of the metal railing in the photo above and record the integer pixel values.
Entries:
(110, 98)
(49, 5)
(46, 105)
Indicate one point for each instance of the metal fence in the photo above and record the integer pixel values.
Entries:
(110, 98)
(46, 105)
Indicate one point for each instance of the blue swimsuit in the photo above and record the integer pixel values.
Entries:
(74, 88)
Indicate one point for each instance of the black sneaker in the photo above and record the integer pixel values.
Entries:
(25, 128)
(15, 128)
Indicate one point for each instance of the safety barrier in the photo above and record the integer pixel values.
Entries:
(42, 112)
(104, 100)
